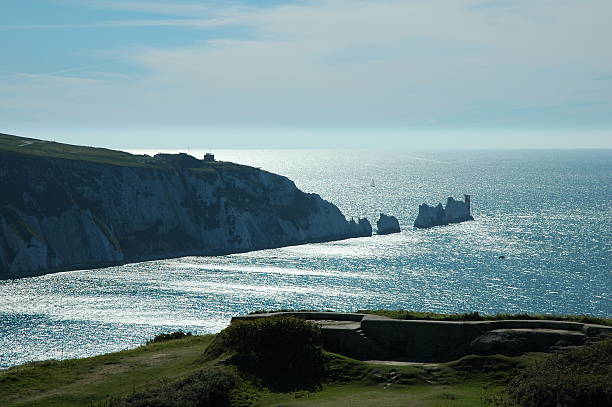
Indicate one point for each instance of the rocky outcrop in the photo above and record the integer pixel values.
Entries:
(454, 212)
(387, 224)
(67, 207)
(458, 211)
(360, 228)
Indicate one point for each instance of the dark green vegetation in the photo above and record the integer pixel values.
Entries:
(582, 377)
(475, 316)
(169, 336)
(283, 352)
(279, 362)
(211, 387)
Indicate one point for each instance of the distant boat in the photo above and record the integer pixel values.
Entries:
(372, 184)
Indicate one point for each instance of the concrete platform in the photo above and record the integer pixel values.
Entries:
(373, 337)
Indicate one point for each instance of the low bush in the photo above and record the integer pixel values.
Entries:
(206, 388)
(285, 352)
(581, 377)
(169, 336)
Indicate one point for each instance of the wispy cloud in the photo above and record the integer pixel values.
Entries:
(195, 23)
(193, 15)
(153, 7)
(56, 77)
(353, 65)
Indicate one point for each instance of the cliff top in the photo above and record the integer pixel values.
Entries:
(42, 148)
(51, 149)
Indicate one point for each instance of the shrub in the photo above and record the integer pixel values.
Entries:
(169, 336)
(284, 352)
(580, 377)
(206, 388)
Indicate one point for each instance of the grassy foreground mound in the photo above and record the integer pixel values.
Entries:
(79, 382)
(280, 362)
(285, 353)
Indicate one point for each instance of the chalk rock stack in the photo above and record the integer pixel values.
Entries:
(455, 212)
(387, 225)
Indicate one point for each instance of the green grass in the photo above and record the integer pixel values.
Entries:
(79, 382)
(475, 316)
(41, 148)
(357, 395)
(157, 370)
(52, 149)
(467, 382)
(348, 382)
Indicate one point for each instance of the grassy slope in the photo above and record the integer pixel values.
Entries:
(81, 382)
(78, 382)
(41, 148)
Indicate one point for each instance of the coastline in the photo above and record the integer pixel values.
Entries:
(67, 207)
(89, 266)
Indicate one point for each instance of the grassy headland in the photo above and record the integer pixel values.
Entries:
(51, 149)
(280, 362)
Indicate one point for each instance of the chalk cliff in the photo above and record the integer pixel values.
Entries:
(455, 211)
(67, 207)
(386, 225)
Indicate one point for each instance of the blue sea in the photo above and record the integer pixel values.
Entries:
(549, 212)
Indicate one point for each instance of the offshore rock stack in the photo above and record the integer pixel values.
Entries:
(387, 224)
(455, 212)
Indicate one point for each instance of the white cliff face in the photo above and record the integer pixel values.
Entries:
(387, 225)
(25, 251)
(455, 211)
(68, 214)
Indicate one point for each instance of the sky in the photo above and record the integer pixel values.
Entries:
(407, 74)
